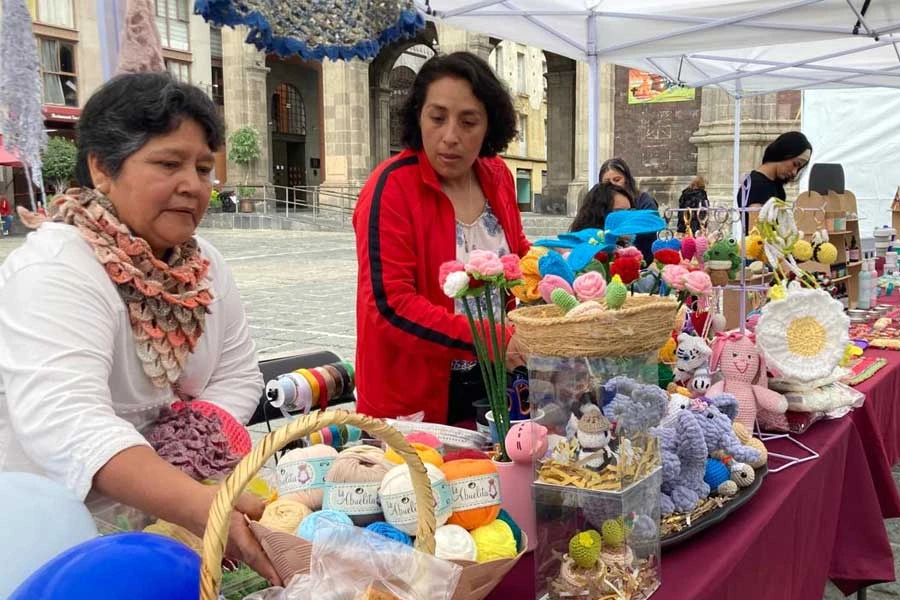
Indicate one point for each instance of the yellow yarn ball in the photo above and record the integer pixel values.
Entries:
(284, 515)
(826, 253)
(802, 250)
(494, 541)
(426, 453)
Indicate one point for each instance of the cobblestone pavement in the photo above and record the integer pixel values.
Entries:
(299, 289)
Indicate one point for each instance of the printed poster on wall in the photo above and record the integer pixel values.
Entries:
(644, 88)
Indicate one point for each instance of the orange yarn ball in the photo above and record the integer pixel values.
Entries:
(475, 488)
(426, 453)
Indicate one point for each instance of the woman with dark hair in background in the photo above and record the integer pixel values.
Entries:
(112, 310)
(615, 170)
(444, 196)
(603, 199)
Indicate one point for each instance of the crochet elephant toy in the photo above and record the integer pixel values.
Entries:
(698, 431)
(743, 371)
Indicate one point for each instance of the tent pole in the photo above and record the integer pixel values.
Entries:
(736, 177)
(593, 100)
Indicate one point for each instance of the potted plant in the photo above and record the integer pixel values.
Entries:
(59, 163)
(244, 148)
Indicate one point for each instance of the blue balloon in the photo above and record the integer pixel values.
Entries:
(39, 518)
(124, 566)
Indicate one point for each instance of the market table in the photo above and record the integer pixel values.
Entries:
(815, 521)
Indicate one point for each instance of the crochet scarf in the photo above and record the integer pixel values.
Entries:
(167, 300)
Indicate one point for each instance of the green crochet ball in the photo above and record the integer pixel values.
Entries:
(613, 532)
(584, 548)
(563, 299)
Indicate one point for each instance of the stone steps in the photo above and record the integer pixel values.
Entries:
(274, 221)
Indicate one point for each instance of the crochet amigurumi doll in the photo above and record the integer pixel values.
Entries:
(701, 429)
(744, 375)
(633, 406)
(692, 363)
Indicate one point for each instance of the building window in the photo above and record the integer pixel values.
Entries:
(179, 70)
(522, 135)
(53, 12)
(58, 72)
(172, 20)
(288, 110)
(544, 74)
(215, 42)
(218, 86)
(520, 69)
(401, 81)
(498, 61)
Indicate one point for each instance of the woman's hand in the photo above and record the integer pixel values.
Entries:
(515, 354)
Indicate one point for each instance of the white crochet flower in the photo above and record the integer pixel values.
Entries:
(456, 283)
(803, 336)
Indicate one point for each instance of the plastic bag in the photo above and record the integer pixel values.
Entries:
(348, 562)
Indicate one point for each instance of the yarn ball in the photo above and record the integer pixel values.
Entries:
(354, 478)
(284, 515)
(421, 437)
(390, 532)
(322, 518)
(426, 453)
(517, 531)
(301, 474)
(494, 541)
(802, 250)
(825, 253)
(613, 532)
(716, 473)
(399, 501)
(551, 282)
(465, 453)
(452, 542)
(475, 488)
(584, 548)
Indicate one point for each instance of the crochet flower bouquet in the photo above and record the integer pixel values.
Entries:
(482, 284)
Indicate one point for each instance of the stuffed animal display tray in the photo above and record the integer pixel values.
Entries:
(678, 528)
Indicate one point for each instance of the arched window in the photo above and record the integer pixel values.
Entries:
(401, 80)
(288, 110)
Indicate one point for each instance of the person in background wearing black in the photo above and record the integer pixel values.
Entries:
(782, 162)
(616, 171)
(601, 200)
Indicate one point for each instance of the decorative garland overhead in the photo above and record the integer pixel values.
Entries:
(317, 29)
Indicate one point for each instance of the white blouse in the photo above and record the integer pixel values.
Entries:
(73, 393)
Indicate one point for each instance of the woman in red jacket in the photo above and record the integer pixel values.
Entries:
(447, 194)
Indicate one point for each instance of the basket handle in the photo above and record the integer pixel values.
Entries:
(216, 535)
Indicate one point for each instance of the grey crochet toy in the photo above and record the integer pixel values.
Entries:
(634, 406)
(703, 428)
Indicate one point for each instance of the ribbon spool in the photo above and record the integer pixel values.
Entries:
(300, 390)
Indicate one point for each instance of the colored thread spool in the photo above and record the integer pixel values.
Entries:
(317, 521)
(284, 515)
(494, 541)
(323, 388)
(465, 453)
(452, 542)
(517, 531)
(301, 474)
(354, 480)
(475, 486)
(428, 439)
(338, 380)
(390, 532)
(347, 376)
(398, 499)
(313, 383)
(426, 453)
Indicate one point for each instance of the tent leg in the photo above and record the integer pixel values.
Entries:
(593, 101)
(736, 176)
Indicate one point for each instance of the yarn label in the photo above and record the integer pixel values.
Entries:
(355, 498)
(478, 491)
(303, 475)
(400, 507)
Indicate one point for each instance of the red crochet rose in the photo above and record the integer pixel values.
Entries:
(628, 268)
(601, 257)
(667, 256)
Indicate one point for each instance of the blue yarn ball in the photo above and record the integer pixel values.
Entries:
(716, 473)
(309, 525)
(516, 530)
(390, 532)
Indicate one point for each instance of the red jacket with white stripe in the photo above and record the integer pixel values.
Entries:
(407, 331)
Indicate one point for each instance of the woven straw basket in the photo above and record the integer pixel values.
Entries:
(643, 325)
(290, 554)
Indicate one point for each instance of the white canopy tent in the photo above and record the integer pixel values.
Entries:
(728, 43)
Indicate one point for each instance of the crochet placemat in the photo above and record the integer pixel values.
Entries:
(864, 368)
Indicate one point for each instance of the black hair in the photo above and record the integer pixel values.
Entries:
(129, 110)
(618, 164)
(786, 146)
(597, 204)
(501, 116)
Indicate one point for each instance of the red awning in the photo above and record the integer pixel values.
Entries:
(7, 158)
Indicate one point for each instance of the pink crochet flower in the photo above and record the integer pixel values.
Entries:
(550, 283)
(484, 264)
(451, 266)
(589, 286)
(511, 269)
(698, 283)
(674, 276)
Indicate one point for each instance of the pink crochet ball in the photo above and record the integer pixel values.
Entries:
(526, 441)
(688, 248)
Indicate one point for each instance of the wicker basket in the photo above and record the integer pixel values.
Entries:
(643, 325)
(477, 579)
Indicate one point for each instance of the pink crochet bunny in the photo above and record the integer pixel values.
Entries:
(743, 375)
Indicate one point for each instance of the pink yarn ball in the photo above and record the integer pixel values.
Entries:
(465, 454)
(428, 439)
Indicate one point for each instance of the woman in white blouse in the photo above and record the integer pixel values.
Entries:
(112, 310)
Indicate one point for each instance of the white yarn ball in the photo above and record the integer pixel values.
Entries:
(398, 501)
(452, 542)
